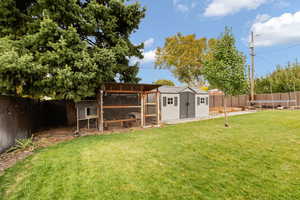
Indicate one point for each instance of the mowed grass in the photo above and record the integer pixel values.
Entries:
(257, 158)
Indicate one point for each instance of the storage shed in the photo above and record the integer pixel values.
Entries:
(182, 103)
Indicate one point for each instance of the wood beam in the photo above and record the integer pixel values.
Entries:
(90, 117)
(120, 106)
(151, 115)
(124, 91)
(120, 120)
(151, 104)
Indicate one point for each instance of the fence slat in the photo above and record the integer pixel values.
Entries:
(242, 100)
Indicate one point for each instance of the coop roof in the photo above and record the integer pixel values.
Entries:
(129, 87)
(178, 89)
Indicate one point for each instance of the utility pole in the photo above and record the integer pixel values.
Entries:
(249, 76)
(252, 54)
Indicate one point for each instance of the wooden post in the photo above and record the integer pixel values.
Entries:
(158, 107)
(77, 118)
(145, 108)
(142, 110)
(225, 112)
(100, 112)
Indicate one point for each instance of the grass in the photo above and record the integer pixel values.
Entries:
(257, 158)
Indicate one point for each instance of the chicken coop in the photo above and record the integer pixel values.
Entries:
(120, 105)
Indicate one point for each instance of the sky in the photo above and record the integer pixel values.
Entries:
(275, 23)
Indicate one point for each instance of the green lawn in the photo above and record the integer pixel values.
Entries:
(257, 158)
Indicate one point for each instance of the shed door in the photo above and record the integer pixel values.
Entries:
(187, 105)
(191, 107)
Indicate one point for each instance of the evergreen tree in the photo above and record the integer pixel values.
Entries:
(65, 49)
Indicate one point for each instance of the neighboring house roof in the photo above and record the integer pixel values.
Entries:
(199, 91)
(178, 89)
(215, 92)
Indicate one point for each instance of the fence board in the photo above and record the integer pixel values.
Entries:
(243, 100)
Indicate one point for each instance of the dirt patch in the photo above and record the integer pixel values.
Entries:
(9, 159)
(53, 136)
(41, 139)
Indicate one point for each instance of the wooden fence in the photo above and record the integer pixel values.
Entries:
(283, 99)
(20, 117)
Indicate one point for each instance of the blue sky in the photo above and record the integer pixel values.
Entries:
(275, 22)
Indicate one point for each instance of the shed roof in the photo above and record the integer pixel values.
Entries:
(178, 89)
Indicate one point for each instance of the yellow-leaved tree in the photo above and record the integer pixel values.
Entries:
(165, 82)
(185, 56)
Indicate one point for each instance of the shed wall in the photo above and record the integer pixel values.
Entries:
(170, 111)
(202, 110)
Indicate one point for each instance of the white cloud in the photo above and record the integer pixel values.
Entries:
(284, 29)
(193, 5)
(262, 18)
(148, 43)
(149, 56)
(227, 7)
(282, 4)
(180, 6)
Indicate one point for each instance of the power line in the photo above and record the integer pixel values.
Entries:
(265, 59)
(281, 49)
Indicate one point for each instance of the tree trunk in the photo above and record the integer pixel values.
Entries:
(226, 124)
(71, 113)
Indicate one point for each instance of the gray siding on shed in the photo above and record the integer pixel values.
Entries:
(169, 111)
(202, 110)
(187, 103)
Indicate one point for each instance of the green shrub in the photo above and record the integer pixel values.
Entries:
(22, 144)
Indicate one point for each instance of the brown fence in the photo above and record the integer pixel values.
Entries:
(231, 101)
(14, 120)
(19, 117)
(283, 99)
